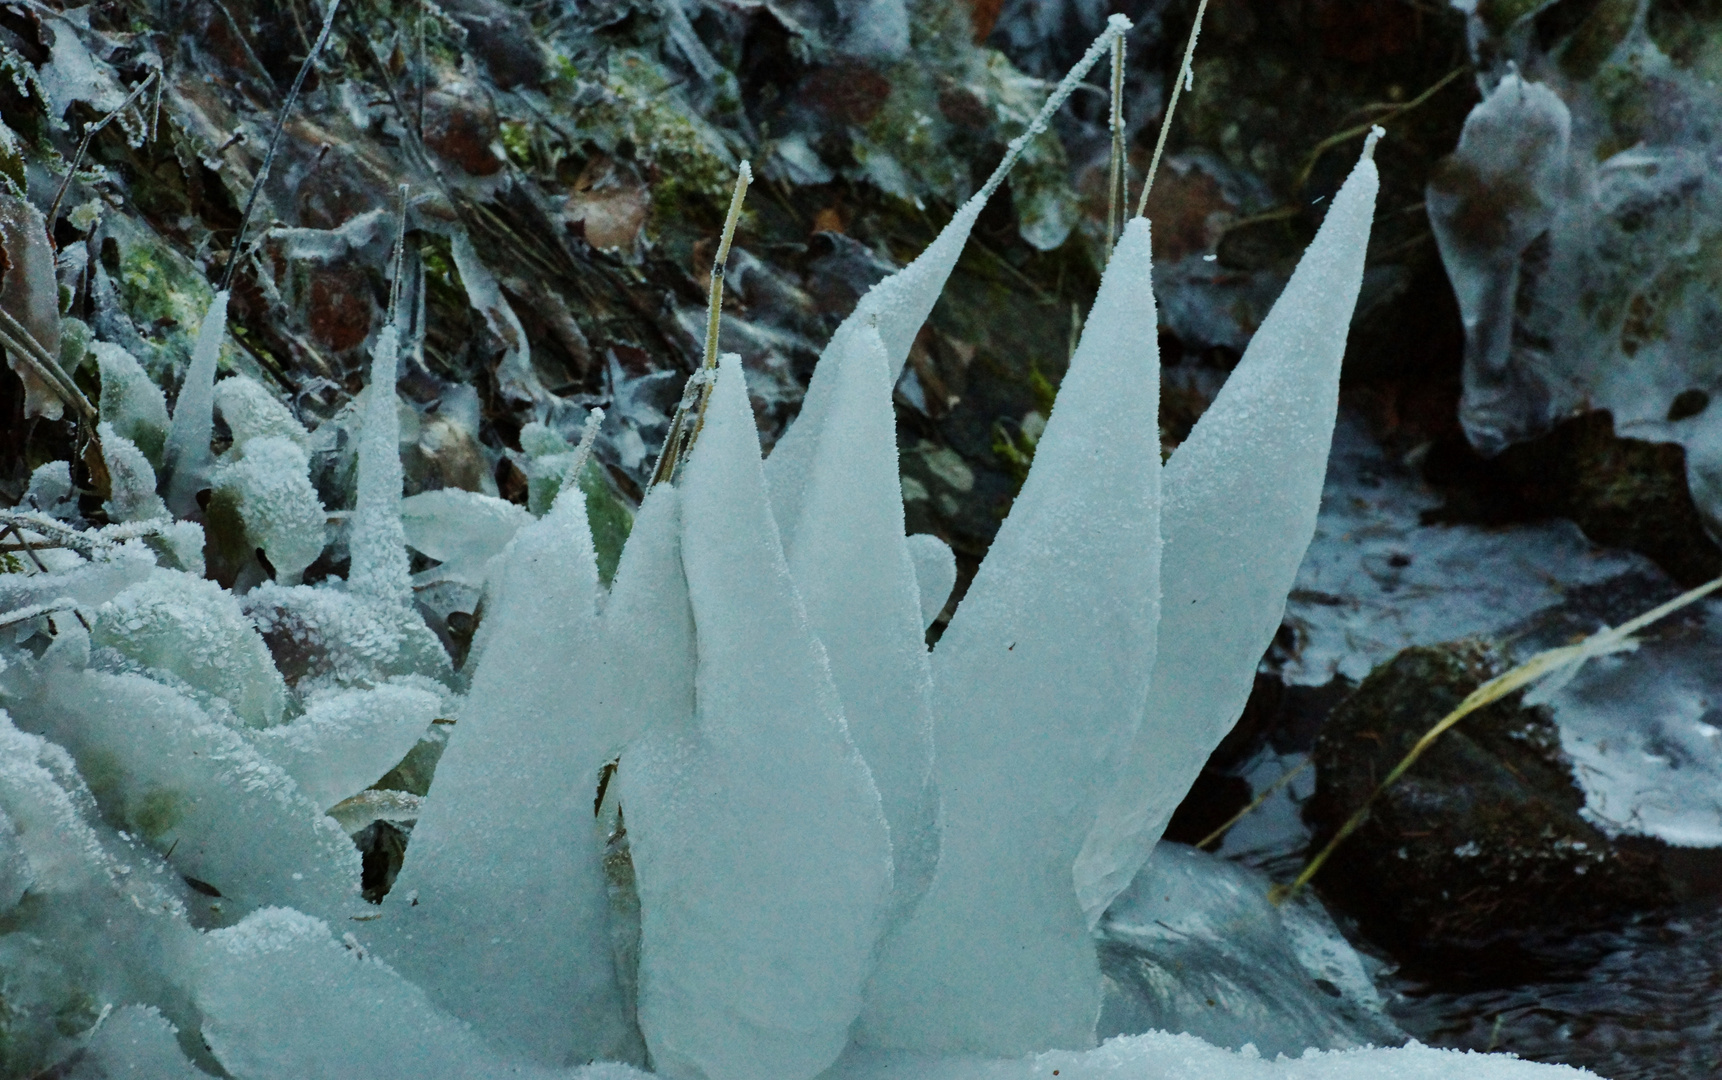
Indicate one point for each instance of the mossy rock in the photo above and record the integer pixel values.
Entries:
(1480, 848)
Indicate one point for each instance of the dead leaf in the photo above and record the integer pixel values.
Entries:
(30, 293)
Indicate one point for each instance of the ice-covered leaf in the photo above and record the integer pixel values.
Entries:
(347, 739)
(135, 1042)
(377, 541)
(186, 454)
(1039, 684)
(193, 789)
(1241, 499)
(130, 400)
(251, 412)
(132, 494)
(269, 484)
(30, 294)
(463, 530)
(852, 566)
(197, 632)
(935, 573)
(329, 637)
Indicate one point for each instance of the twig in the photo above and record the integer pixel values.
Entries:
(1284, 779)
(275, 142)
(63, 535)
(1115, 175)
(1355, 130)
(84, 143)
(1178, 84)
(1537, 667)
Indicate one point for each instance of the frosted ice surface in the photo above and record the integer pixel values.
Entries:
(186, 785)
(852, 566)
(251, 412)
(462, 530)
(1160, 1056)
(1242, 493)
(132, 494)
(377, 540)
(1644, 731)
(648, 624)
(51, 490)
(1039, 683)
(270, 483)
(330, 637)
(196, 631)
(130, 400)
(501, 910)
(1377, 580)
(15, 874)
(133, 1041)
(89, 582)
(347, 739)
(186, 454)
(761, 854)
(283, 1000)
(935, 573)
(1195, 946)
(896, 308)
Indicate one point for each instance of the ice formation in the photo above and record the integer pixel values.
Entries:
(1242, 493)
(729, 815)
(1039, 683)
(186, 453)
(755, 813)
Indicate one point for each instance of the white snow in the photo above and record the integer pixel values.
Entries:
(760, 851)
(1039, 683)
(1242, 493)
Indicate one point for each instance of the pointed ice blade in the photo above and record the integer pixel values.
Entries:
(1241, 499)
(895, 309)
(851, 564)
(501, 911)
(186, 454)
(759, 847)
(649, 625)
(378, 541)
(1039, 682)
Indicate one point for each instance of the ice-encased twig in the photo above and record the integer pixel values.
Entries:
(1241, 499)
(1038, 685)
(378, 541)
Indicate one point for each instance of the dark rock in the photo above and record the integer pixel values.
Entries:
(503, 41)
(1479, 849)
(1622, 492)
(460, 129)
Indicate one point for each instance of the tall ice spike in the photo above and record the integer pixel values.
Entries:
(1241, 499)
(1038, 686)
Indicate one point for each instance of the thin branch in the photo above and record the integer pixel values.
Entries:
(90, 133)
(1183, 79)
(275, 143)
(1115, 177)
(17, 340)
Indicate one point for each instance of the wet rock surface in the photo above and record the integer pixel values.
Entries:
(1480, 850)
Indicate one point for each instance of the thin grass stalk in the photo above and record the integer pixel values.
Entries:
(275, 142)
(17, 339)
(90, 133)
(583, 452)
(1255, 804)
(1178, 84)
(681, 437)
(1115, 195)
(1537, 667)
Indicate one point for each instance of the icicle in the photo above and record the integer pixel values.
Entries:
(851, 564)
(501, 911)
(378, 541)
(1241, 498)
(1039, 683)
(186, 455)
(760, 851)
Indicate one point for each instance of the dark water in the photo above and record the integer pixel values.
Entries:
(1636, 1004)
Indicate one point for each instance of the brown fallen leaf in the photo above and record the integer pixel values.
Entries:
(30, 293)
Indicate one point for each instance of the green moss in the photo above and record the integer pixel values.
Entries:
(159, 811)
